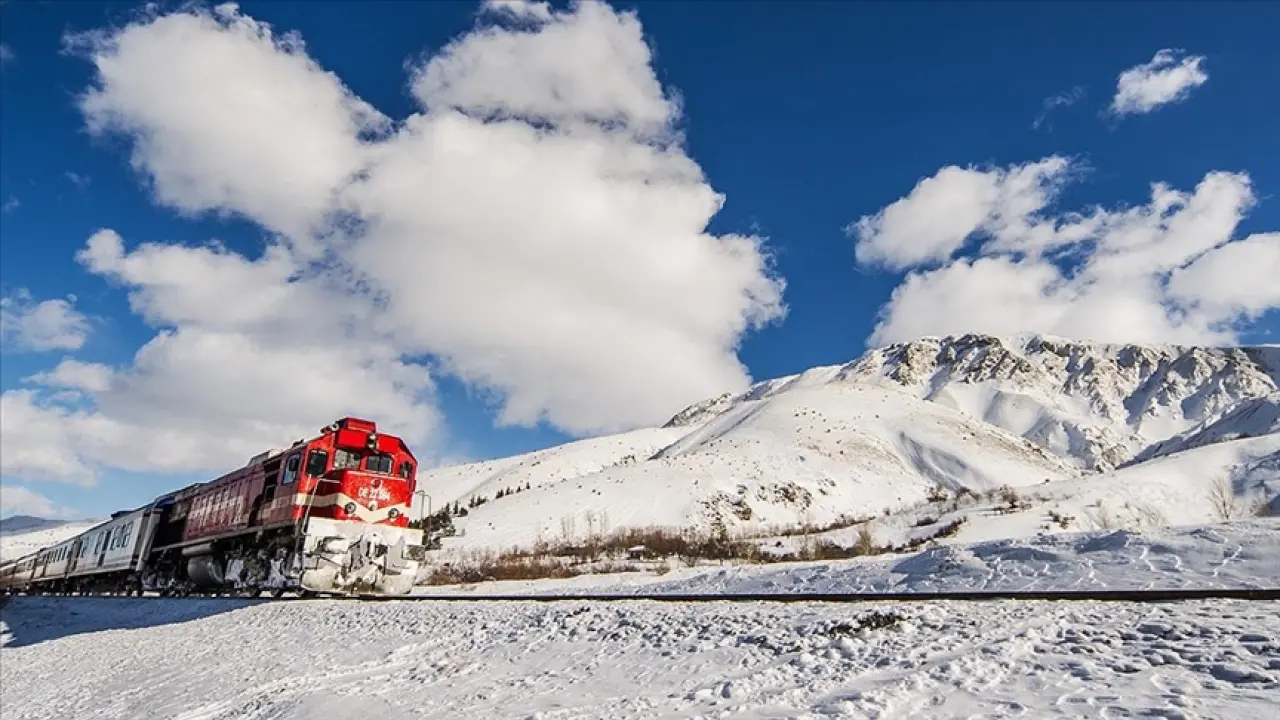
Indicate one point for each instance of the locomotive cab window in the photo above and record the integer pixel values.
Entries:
(343, 459)
(378, 464)
(406, 469)
(291, 469)
(317, 463)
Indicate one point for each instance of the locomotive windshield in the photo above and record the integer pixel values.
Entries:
(343, 459)
(374, 462)
(378, 463)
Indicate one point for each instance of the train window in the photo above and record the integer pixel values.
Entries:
(378, 464)
(345, 459)
(406, 469)
(291, 469)
(317, 463)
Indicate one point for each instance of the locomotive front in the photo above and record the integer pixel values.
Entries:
(356, 515)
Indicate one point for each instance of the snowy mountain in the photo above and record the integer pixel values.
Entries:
(1150, 432)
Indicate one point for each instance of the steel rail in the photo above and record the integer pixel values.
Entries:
(1133, 595)
(1160, 595)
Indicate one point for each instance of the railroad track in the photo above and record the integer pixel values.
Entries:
(1161, 595)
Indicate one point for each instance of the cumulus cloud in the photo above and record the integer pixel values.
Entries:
(536, 229)
(226, 116)
(19, 500)
(39, 326)
(40, 442)
(1169, 77)
(943, 211)
(1170, 270)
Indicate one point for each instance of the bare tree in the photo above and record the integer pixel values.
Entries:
(1222, 498)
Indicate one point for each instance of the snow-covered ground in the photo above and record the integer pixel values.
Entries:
(223, 660)
(1239, 554)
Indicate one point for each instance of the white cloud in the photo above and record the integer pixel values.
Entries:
(18, 500)
(11, 203)
(943, 211)
(1168, 77)
(537, 227)
(40, 442)
(1238, 278)
(76, 375)
(592, 63)
(226, 116)
(6, 54)
(47, 325)
(1171, 270)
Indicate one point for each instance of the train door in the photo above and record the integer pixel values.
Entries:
(272, 470)
(73, 561)
(100, 546)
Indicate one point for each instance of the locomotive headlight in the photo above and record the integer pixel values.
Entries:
(349, 508)
(393, 513)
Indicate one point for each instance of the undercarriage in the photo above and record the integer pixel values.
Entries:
(331, 558)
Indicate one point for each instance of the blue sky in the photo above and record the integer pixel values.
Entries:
(806, 117)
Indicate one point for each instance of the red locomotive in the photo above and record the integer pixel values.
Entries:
(328, 514)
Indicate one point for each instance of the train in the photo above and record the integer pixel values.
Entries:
(326, 516)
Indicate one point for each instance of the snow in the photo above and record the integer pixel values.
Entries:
(218, 660)
(459, 483)
(1236, 554)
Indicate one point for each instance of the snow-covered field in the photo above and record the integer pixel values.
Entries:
(1240, 554)
(223, 660)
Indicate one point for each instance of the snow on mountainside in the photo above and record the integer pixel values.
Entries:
(810, 455)
(880, 435)
(1249, 418)
(22, 534)
(461, 482)
(1099, 404)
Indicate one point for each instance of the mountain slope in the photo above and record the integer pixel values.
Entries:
(1254, 417)
(883, 434)
(813, 454)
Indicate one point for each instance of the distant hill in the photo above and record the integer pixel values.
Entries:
(23, 534)
(26, 523)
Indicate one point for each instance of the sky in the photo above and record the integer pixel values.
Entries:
(494, 227)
